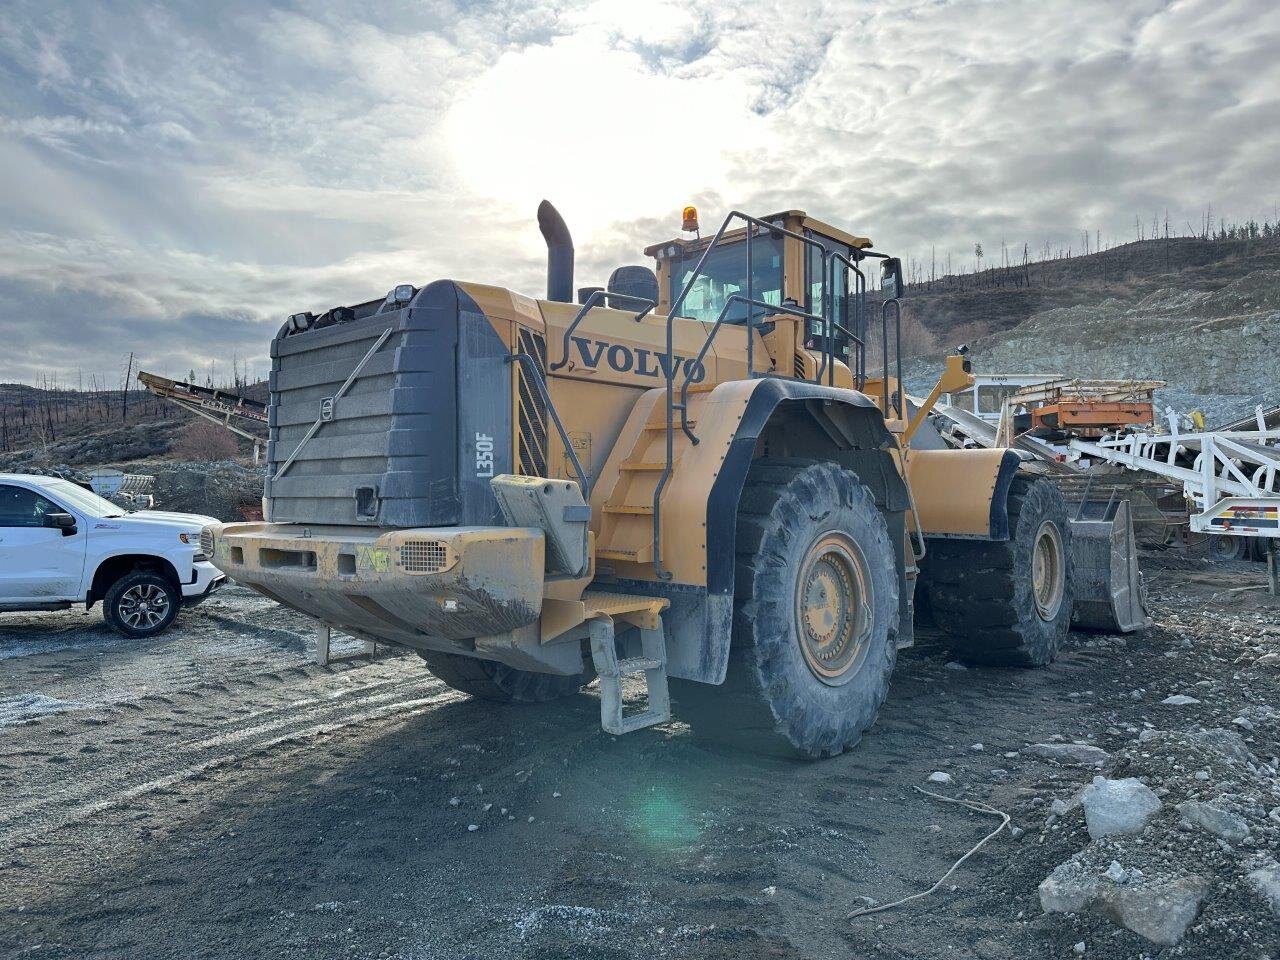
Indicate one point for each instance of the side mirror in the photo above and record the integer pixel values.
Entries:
(63, 521)
(891, 278)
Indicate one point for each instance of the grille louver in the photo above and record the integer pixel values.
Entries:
(424, 556)
(532, 439)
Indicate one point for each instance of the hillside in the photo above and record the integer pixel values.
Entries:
(960, 309)
(46, 428)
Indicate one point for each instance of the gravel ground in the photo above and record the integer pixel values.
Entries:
(212, 793)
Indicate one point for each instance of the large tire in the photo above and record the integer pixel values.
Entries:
(1226, 548)
(142, 603)
(490, 680)
(1007, 603)
(815, 616)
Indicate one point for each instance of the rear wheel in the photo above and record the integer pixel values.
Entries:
(490, 680)
(1007, 603)
(815, 612)
(1228, 548)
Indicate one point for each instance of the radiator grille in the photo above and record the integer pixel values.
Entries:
(424, 556)
(206, 542)
(532, 439)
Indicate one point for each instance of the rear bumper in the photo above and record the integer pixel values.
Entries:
(417, 587)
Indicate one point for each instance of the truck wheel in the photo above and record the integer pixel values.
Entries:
(1228, 548)
(490, 680)
(815, 616)
(1007, 603)
(141, 604)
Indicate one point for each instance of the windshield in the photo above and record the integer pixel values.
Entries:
(724, 274)
(86, 501)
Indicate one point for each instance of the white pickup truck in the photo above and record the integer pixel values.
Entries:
(61, 544)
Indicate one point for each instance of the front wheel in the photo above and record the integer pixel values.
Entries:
(815, 615)
(141, 604)
(1007, 603)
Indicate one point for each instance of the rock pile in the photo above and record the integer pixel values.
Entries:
(1195, 816)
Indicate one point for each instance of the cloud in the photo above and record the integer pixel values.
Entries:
(180, 176)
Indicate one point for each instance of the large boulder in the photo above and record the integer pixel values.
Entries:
(1216, 817)
(1160, 909)
(1070, 754)
(1118, 806)
(1265, 882)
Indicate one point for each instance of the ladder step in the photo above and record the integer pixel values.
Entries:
(611, 670)
(662, 427)
(627, 556)
(635, 511)
(638, 465)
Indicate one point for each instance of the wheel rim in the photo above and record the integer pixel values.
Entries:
(1224, 548)
(143, 606)
(1047, 570)
(834, 607)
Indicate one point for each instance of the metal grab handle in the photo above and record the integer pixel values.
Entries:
(830, 325)
(672, 314)
(706, 345)
(884, 336)
(592, 300)
(535, 377)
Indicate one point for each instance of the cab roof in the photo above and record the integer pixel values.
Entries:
(806, 223)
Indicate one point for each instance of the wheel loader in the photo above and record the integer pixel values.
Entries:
(702, 474)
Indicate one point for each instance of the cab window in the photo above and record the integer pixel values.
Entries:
(20, 507)
(991, 397)
(724, 274)
(818, 285)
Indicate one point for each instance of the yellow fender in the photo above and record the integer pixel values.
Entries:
(962, 493)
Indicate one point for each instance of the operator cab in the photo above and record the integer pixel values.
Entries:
(784, 272)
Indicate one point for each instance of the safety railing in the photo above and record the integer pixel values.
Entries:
(591, 302)
(855, 334)
(696, 364)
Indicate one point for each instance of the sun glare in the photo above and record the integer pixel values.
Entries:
(595, 129)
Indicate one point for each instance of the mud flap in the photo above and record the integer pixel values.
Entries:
(1108, 587)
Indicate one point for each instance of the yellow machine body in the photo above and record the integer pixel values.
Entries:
(755, 393)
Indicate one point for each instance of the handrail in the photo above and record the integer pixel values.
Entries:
(683, 406)
(827, 366)
(535, 376)
(672, 315)
(858, 336)
(884, 338)
(592, 300)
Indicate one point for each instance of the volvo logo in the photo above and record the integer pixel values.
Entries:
(326, 409)
(638, 361)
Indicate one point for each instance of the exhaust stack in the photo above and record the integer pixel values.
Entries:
(559, 253)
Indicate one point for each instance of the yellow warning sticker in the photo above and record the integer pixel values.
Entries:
(377, 559)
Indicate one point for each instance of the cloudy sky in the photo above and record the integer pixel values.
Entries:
(176, 177)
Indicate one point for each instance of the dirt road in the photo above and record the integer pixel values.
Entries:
(211, 793)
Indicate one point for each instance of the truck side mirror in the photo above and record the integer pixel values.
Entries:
(63, 521)
(891, 278)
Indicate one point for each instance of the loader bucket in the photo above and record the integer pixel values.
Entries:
(1108, 586)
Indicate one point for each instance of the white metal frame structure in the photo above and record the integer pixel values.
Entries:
(216, 406)
(1234, 481)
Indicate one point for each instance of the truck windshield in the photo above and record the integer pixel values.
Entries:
(724, 274)
(86, 501)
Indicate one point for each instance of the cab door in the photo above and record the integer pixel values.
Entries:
(38, 561)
